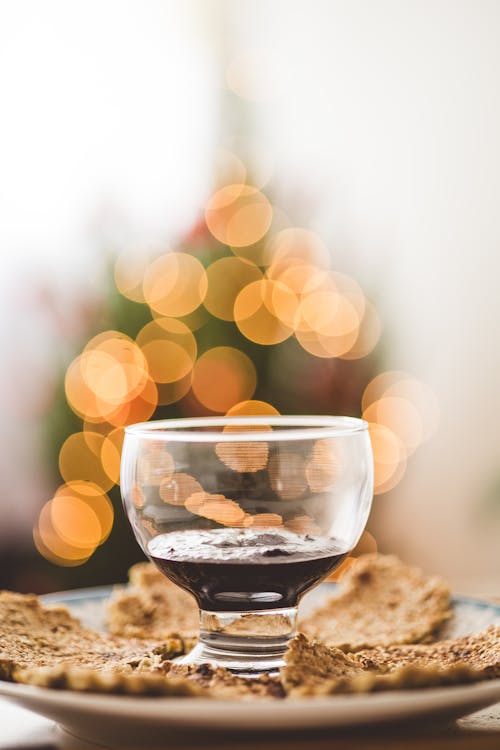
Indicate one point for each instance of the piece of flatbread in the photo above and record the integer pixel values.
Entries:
(152, 607)
(315, 669)
(170, 679)
(480, 651)
(382, 602)
(48, 647)
(34, 637)
(91, 680)
(221, 683)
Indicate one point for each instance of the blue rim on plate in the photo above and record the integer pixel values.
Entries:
(470, 614)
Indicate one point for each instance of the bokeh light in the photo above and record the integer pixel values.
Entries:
(220, 509)
(298, 275)
(228, 167)
(329, 313)
(379, 385)
(389, 458)
(326, 346)
(79, 459)
(73, 523)
(297, 243)
(332, 317)
(226, 278)
(129, 275)
(110, 453)
(128, 361)
(195, 500)
(155, 466)
(138, 409)
(238, 215)
(170, 393)
(324, 466)
(252, 409)
(268, 282)
(97, 500)
(264, 312)
(167, 361)
(243, 457)
(172, 331)
(175, 284)
(80, 397)
(368, 335)
(422, 397)
(110, 372)
(53, 548)
(177, 488)
(402, 414)
(223, 376)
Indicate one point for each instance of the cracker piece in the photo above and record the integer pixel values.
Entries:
(221, 683)
(382, 602)
(152, 607)
(81, 679)
(32, 636)
(143, 575)
(480, 651)
(315, 669)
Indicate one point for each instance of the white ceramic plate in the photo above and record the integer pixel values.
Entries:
(128, 721)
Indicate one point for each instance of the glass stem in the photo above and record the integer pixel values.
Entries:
(247, 643)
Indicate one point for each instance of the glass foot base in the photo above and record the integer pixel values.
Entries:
(249, 644)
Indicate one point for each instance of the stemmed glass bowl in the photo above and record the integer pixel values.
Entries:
(247, 514)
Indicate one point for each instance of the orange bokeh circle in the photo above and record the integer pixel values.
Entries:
(226, 278)
(222, 377)
(264, 312)
(252, 408)
(95, 498)
(79, 459)
(175, 284)
(238, 215)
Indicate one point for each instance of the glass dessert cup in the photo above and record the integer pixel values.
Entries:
(247, 514)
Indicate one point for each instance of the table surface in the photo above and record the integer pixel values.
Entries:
(21, 729)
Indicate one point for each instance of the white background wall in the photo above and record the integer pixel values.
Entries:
(386, 112)
(396, 106)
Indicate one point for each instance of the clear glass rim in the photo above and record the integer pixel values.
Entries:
(301, 427)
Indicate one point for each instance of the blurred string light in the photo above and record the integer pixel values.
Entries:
(222, 377)
(273, 282)
(71, 525)
(227, 277)
(291, 477)
(402, 413)
(175, 284)
(238, 215)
